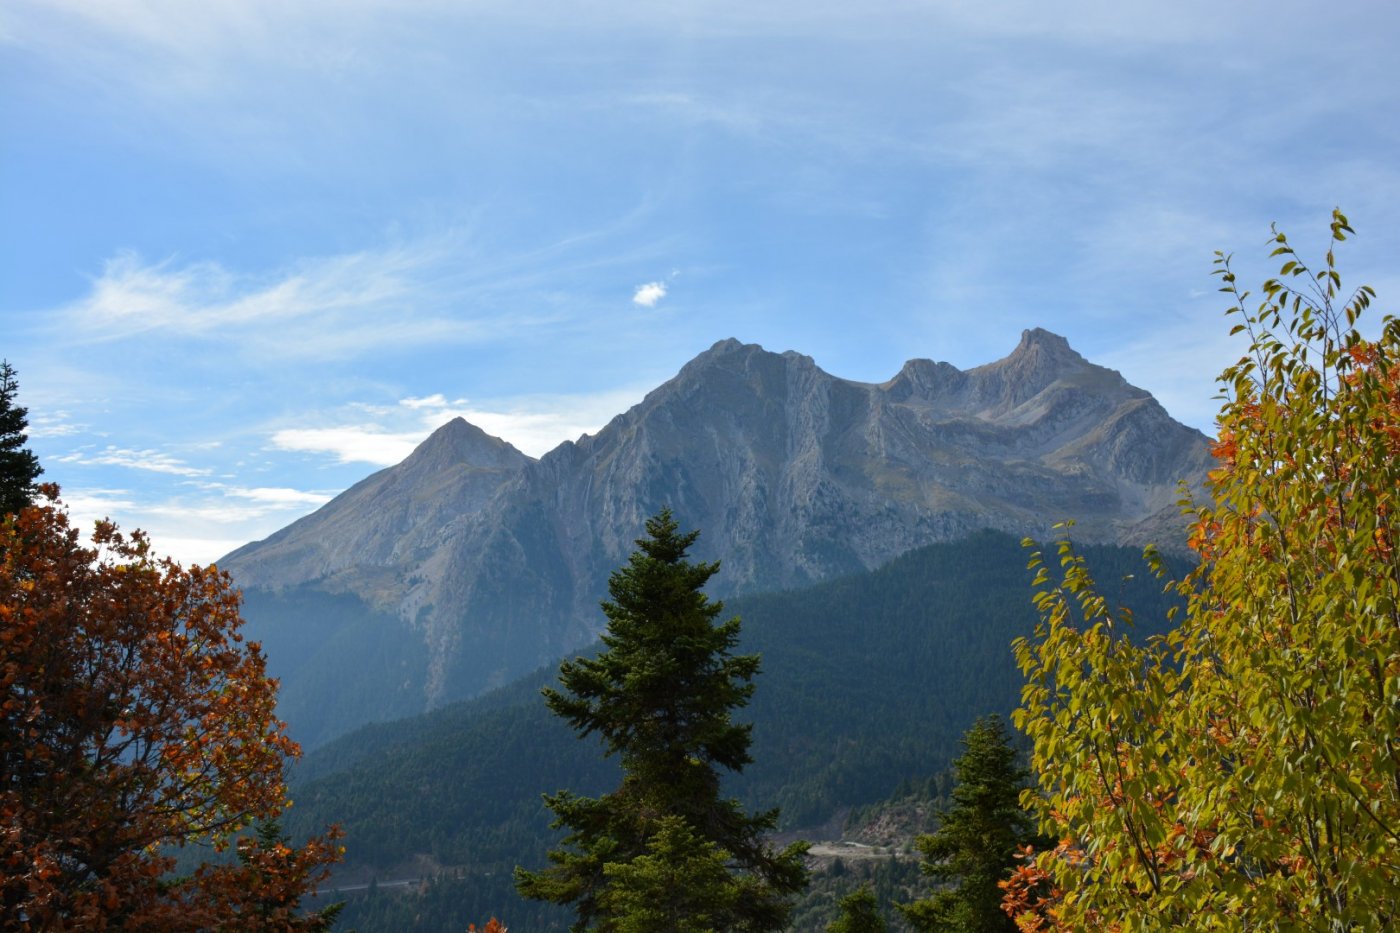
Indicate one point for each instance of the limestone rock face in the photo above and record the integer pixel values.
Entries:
(496, 562)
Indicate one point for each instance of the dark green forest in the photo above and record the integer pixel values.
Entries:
(867, 684)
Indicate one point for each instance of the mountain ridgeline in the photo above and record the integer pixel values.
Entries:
(471, 564)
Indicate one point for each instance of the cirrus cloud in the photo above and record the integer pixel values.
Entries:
(152, 461)
(351, 444)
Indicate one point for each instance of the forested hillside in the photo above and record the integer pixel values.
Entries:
(867, 683)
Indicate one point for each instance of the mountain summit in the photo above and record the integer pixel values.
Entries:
(493, 563)
(388, 519)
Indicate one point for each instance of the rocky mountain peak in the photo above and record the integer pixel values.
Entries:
(1040, 360)
(1045, 341)
(717, 353)
(462, 443)
(733, 353)
(925, 379)
(394, 516)
(1043, 353)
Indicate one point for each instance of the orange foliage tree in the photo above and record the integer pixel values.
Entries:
(135, 719)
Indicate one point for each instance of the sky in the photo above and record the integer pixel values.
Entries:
(252, 251)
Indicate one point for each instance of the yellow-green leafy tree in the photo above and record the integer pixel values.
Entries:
(1242, 772)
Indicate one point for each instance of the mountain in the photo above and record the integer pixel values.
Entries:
(469, 564)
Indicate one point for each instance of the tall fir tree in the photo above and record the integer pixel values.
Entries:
(976, 845)
(19, 468)
(860, 913)
(660, 696)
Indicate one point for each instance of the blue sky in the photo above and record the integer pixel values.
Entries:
(254, 250)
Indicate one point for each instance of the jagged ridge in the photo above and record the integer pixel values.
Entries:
(793, 475)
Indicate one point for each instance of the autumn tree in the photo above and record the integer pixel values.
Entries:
(1243, 772)
(19, 468)
(492, 926)
(665, 847)
(135, 719)
(976, 844)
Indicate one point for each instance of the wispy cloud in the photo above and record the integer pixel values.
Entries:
(198, 521)
(271, 497)
(53, 424)
(87, 505)
(324, 307)
(152, 461)
(351, 444)
(432, 290)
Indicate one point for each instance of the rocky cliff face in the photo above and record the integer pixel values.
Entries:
(496, 562)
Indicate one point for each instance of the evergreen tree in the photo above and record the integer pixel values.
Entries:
(682, 884)
(660, 696)
(979, 838)
(859, 914)
(18, 466)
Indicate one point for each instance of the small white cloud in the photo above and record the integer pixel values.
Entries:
(281, 497)
(649, 294)
(272, 497)
(436, 400)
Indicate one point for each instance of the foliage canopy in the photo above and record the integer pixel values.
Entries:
(134, 719)
(1244, 770)
(859, 914)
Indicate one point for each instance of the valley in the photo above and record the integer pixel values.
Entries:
(868, 535)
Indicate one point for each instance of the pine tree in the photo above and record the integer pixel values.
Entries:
(859, 914)
(977, 843)
(18, 466)
(682, 884)
(660, 696)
